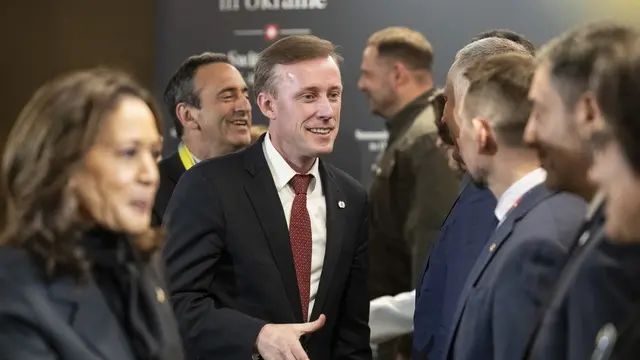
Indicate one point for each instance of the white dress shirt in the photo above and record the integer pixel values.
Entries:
(391, 316)
(516, 191)
(282, 173)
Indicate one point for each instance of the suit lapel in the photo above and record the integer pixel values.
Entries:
(574, 265)
(465, 183)
(502, 233)
(175, 167)
(91, 318)
(262, 193)
(443, 227)
(335, 218)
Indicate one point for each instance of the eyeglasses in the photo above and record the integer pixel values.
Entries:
(444, 133)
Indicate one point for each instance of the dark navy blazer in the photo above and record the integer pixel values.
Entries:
(514, 277)
(462, 236)
(598, 286)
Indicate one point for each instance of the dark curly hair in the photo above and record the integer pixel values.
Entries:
(47, 144)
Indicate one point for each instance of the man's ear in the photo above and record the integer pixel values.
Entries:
(588, 116)
(266, 103)
(185, 114)
(484, 135)
(401, 75)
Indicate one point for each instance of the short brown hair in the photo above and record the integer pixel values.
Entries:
(571, 56)
(289, 50)
(616, 83)
(405, 45)
(498, 89)
(47, 145)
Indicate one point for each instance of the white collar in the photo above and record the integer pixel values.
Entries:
(516, 191)
(281, 171)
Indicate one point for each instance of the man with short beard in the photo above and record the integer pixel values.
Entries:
(467, 227)
(616, 169)
(595, 287)
(413, 187)
(516, 270)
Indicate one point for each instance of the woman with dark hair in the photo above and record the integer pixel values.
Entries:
(80, 277)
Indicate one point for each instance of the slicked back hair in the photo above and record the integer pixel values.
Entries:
(509, 35)
(478, 51)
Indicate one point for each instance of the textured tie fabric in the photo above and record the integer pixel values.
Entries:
(300, 236)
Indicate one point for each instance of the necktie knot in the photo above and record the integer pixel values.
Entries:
(300, 183)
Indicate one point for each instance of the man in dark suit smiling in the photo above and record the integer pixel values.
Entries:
(208, 101)
(264, 240)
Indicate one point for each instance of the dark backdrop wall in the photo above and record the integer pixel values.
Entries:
(242, 28)
(43, 39)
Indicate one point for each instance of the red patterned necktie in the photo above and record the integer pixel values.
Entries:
(300, 236)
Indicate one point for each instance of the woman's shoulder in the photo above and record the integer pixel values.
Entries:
(20, 275)
(13, 259)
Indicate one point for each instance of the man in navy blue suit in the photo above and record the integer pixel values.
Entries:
(465, 231)
(575, 92)
(616, 170)
(515, 272)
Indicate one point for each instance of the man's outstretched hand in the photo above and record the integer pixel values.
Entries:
(282, 341)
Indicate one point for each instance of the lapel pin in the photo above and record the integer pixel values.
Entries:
(492, 248)
(160, 295)
(341, 204)
(584, 237)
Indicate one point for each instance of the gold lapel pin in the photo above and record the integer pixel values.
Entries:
(492, 248)
(160, 295)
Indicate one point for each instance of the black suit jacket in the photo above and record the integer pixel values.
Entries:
(622, 343)
(171, 169)
(598, 286)
(61, 320)
(231, 268)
